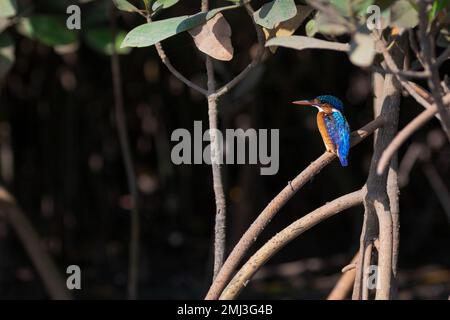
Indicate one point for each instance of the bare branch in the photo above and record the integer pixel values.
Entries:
(414, 46)
(255, 62)
(349, 267)
(166, 61)
(175, 72)
(220, 218)
(414, 90)
(431, 65)
(402, 73)
(275, 205)
(345, 282)
(366, 268)
(406, 132)
(42, 261)
(284, 237)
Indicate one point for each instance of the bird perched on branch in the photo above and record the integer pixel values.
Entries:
(332, 125)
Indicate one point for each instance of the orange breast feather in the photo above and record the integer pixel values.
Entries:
(323, 131)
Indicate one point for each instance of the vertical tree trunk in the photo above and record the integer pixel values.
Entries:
(381, 191)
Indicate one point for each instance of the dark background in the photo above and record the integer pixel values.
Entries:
(57, 121)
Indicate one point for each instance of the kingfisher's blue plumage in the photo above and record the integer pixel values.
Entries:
(332, 100)
(332, 125)
(339, 131)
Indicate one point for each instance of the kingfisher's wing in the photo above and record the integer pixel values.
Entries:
(339, 131)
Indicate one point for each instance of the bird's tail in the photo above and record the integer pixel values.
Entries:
(343, 161)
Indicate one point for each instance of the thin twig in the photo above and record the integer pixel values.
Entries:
(213, 95)
(220, 218)
(414, 90)
(255, 61)
(431, 65)
(414, 46)
(403, 73)
(133, 268)
(166, 61)
(284, 237)
(406, 132)
(275, 205)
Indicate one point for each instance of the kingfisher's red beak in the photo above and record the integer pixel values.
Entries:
(311, 103)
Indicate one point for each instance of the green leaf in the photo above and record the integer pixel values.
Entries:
(311, 28)
(147, 4)
(101, 40)
(125, 6)
(301, 43)
(437, 7)
(360, 6)
(163, 4)
(48, 29)
(8, 8)
(348, 8)
(7, 57)
(150, 33)
(274, 12)
(404, 15)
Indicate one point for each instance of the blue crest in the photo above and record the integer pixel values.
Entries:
(332, 100)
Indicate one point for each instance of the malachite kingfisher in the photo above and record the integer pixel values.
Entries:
(332, 125)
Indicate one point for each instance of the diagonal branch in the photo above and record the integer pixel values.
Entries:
(165, 59)
(284, 237)
(42, 261)
(402, 73)
(275, 205)
(414, 90)
(177, 74)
